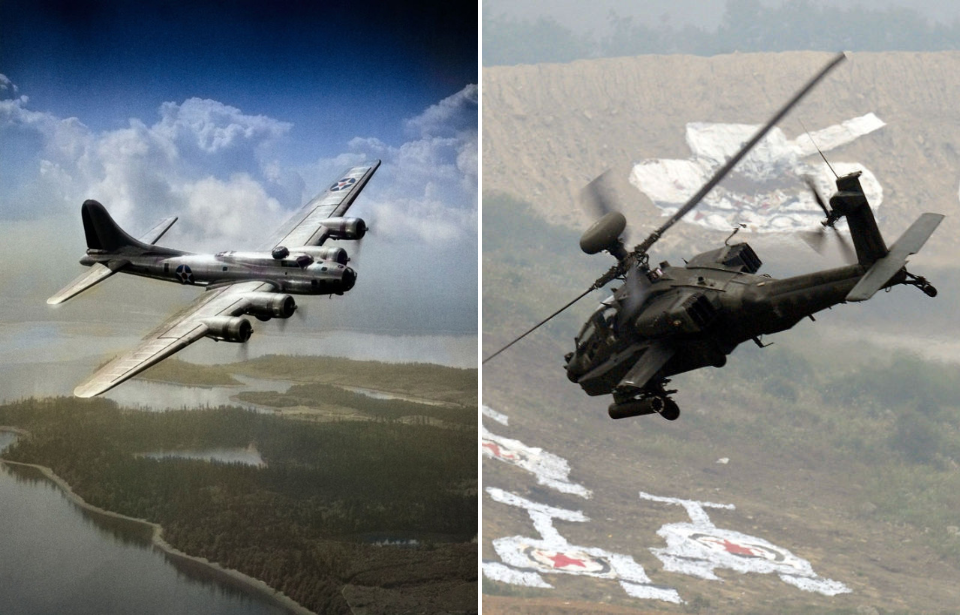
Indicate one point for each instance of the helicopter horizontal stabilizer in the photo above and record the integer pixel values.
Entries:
(885, 268)
(651, 361)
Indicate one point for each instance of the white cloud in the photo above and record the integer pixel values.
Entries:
(6, 84)
(450, 116)
(212, 126)
(430, 182)
(212, 165)
(204, 161)
(215, 167)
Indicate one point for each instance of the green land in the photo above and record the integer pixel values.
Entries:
(307, 522)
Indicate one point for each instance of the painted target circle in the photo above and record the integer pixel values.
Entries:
(567, 561)
(738, 547)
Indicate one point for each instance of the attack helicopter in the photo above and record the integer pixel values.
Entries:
(667, 320)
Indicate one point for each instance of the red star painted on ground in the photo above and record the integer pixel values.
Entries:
(736, 549)
(560, 560)
(493, 448)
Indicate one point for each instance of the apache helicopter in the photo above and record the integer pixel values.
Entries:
(669, 320)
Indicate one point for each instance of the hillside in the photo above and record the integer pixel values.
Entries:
(819, 475)
(550, 128)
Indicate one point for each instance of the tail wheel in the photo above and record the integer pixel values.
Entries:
(670, 410)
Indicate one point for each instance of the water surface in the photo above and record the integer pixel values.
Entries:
(247, 456)
(56, 557)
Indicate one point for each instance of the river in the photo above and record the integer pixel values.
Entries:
(56, 557)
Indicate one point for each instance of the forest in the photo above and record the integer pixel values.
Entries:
(302, 523)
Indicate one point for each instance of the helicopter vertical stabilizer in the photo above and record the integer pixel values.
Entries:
(851, 203)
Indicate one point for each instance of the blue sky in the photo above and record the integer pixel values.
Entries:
(231, 115)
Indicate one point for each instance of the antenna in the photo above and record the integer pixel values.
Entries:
(810, 136)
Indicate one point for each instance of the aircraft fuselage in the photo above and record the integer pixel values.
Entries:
(295, 274)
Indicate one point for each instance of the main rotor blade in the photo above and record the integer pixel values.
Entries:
(726, 168)
(597, 197)
(541, 323)
(638, 287)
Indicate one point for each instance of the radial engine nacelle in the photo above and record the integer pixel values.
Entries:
(346, 228)
(325, 253)
(228, 329)
(270, 305)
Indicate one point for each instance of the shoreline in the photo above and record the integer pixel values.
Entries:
(255, 585)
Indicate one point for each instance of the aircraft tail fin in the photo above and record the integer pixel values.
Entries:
(883, 270)
(851, 203)
(103, 234)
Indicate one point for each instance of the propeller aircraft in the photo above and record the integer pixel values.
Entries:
(667, 320)
(293, 261)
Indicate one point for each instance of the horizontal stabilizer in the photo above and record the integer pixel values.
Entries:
(888, 266)
(154, 234)
(97, 273)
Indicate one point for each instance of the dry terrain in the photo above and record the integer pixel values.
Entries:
(832, 445)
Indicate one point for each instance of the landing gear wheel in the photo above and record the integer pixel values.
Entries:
(262, 318)
(670, 410)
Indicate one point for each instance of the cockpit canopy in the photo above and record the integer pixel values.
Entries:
(602, 319)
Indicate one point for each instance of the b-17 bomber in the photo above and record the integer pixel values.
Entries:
(262, 283)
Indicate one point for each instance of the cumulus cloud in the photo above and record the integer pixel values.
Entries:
(212, 165)
(450, 116)
(430, 182)
(204, 161)
(6, 84)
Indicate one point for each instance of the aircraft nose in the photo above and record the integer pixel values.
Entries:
(349, 278)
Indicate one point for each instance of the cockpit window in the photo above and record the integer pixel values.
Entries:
(586, 333)
(304, 260)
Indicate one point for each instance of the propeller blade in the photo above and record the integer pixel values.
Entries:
(637, 288)
(728, 166)
(541, 323)
(243, 353)
(598, 197)
(846, 250)
(816, 195)
(814, 239)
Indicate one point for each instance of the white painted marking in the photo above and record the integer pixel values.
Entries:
(549, 469)
(551, 553)
(503, 419)
(766, 190)
(699, 547)
(505, 574)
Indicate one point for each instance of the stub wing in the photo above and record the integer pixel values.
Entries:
(176, 333)
(650, 362)
(305, 228)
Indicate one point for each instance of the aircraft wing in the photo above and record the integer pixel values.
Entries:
(176, 333)
(305, 228)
